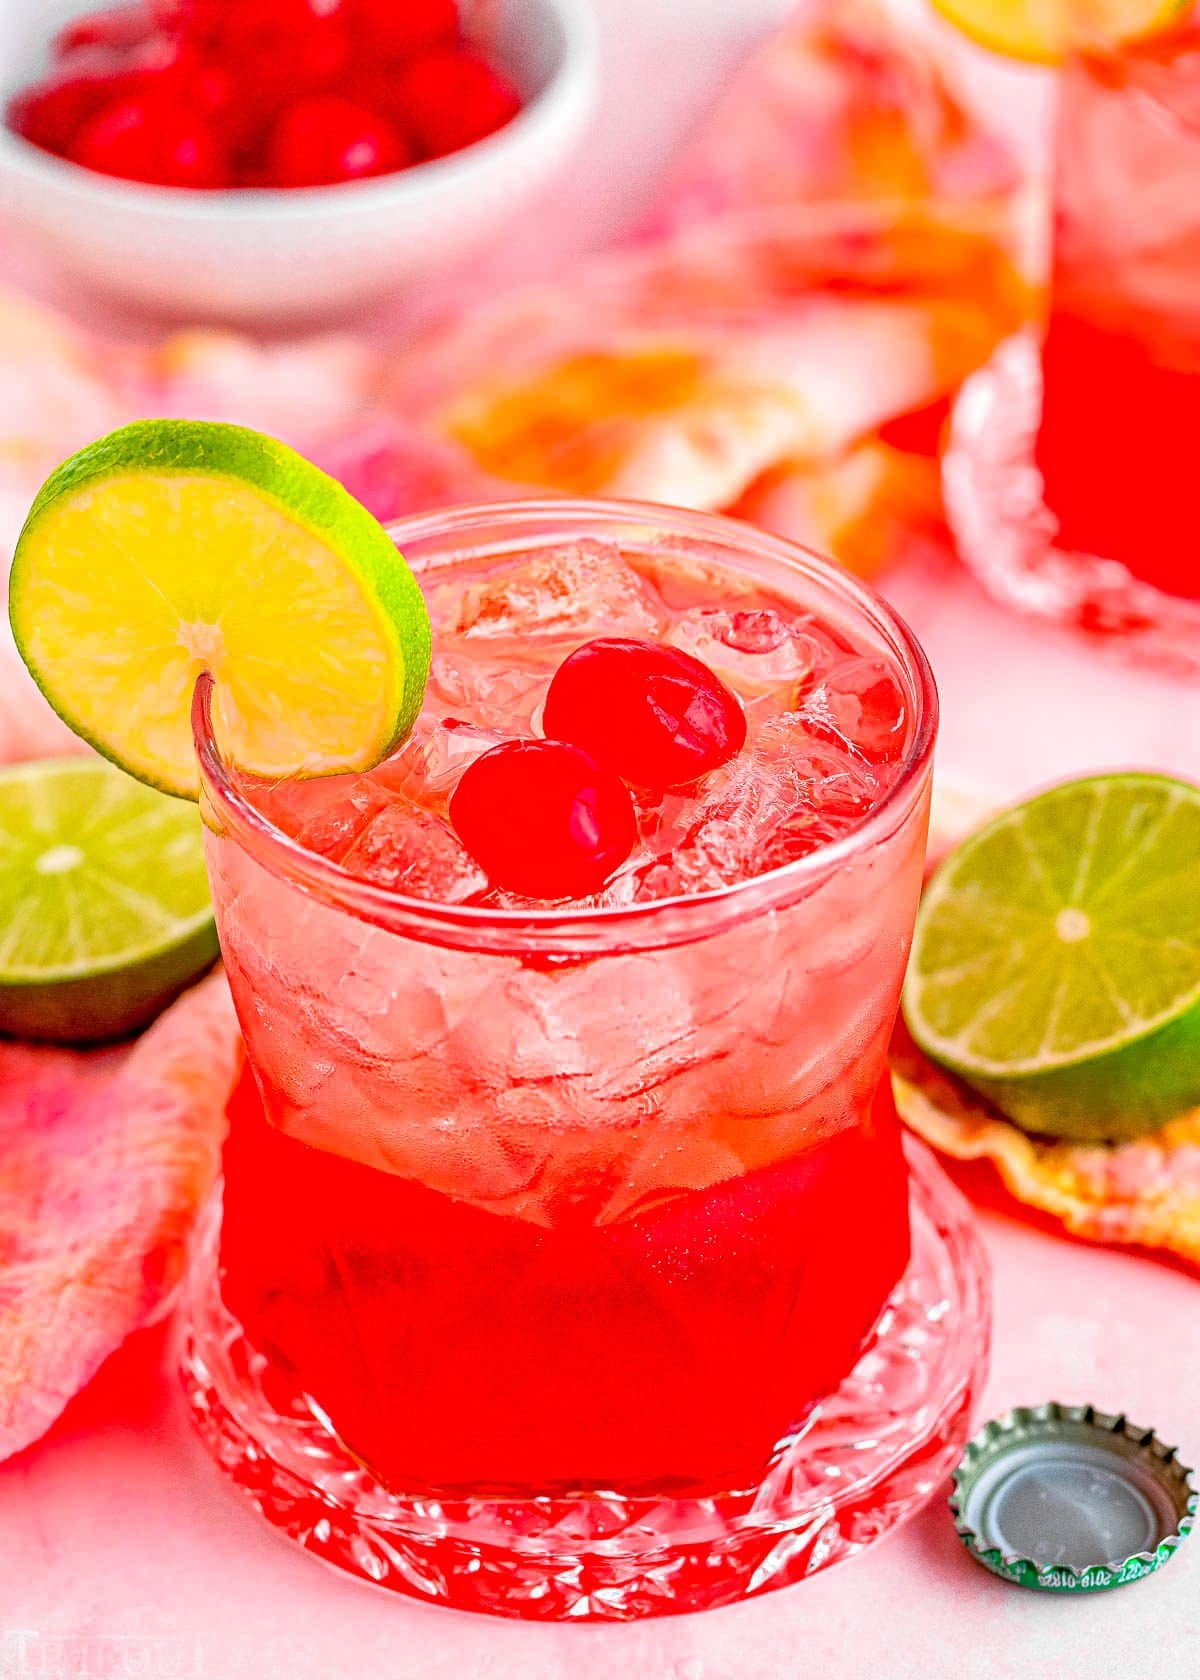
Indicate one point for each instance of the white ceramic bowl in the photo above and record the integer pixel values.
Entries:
(265, 257)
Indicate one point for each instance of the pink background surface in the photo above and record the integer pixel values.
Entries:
(122, 1552)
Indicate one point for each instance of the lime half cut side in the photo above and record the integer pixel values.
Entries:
(174, 547)
(104, 908)
(1056, 964)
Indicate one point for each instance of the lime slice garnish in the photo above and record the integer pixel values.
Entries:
(1046, 31)
(174, 547)
(1056, 965)
(104, 910)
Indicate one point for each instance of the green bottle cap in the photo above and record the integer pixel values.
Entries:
(1069, 1499)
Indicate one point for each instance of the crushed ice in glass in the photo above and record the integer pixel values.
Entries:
(828, 727)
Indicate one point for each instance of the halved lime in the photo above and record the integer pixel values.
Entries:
(1056, 965)
(104, 911)
(1045, 31)
(173, 547)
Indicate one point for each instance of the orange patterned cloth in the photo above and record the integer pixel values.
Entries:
(689, 371)
(60, 388)
(1146, 1192)
(833, 253)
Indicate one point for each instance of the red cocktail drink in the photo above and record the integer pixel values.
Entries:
(581, 1200)
(667, 1351)
(1121, 361)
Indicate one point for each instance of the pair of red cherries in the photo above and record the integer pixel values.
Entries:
(257, 93)
(554, 818)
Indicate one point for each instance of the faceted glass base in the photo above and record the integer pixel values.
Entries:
(1006, 533)
(864, 1460)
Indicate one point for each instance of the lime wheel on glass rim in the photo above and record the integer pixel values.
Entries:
(1056, 962)
(175, 547)
(165, 550)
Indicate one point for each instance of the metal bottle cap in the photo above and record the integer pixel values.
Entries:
(1069, 1499)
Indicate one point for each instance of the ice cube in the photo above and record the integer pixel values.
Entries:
(619, 891)
(793, 789)
(336, 824)
(584, 589)
(724, 841)
(427, 769)
(412, 851)
(860, 702)
(755, 650)
(486, 689)
(324, 813)
(599, 1032)
(832, 777)
(754, 630)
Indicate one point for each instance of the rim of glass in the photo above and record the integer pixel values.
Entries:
(554, 925)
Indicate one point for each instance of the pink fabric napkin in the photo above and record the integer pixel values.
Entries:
(104, 1159)
(833, 253)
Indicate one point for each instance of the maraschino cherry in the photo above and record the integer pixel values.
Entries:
(262, 93)
(653, 714)
(327, 139)
(543, 819)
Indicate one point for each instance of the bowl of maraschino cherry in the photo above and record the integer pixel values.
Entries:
(261, 160)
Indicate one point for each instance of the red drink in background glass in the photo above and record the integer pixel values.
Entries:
(1121, 362)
